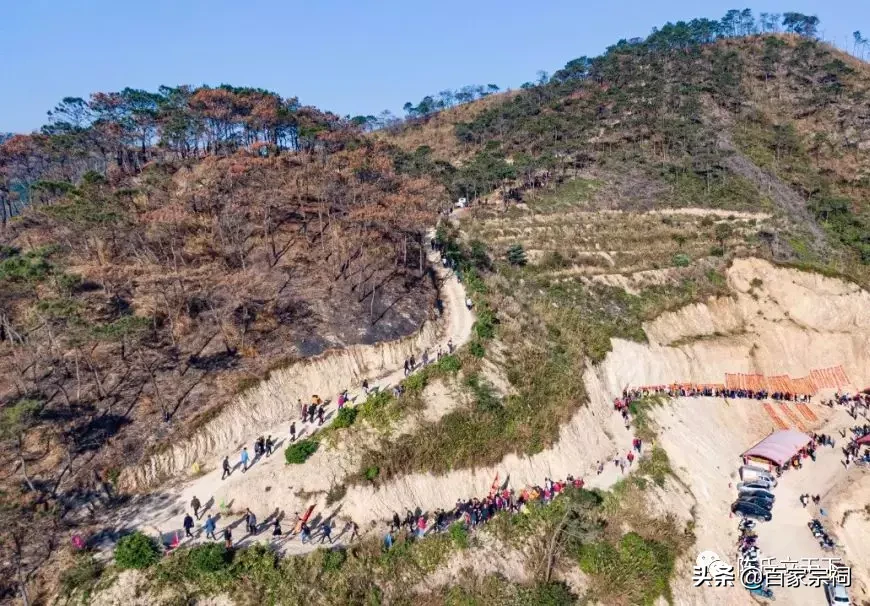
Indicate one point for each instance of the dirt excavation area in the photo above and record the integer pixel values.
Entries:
(707, 460)
(776, 322)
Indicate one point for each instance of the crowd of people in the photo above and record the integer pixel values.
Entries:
(710, 391)
(472, 513)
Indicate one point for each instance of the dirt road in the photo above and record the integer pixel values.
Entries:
(270, 485)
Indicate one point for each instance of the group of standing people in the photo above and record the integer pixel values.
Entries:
(710, 391)
(315, 410)
(474, 512)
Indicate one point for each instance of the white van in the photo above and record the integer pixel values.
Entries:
(750, 473)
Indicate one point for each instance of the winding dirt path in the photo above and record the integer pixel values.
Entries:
(785, 321)
(269, 410)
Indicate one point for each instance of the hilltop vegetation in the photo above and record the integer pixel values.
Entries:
(160, 252)
(724, 114)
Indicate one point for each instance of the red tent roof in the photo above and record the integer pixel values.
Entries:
(864, 439)
(779, 447)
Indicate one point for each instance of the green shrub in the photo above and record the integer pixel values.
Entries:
(656, 466)
(30, 267)
(449, 363)
(371, 473)
(136, 550)
(333, 560)
(81, 576)
(717, 251)
(485, 397)
(69, 282)
(59, 309)
(476, 349)
(484, 326)
(345, 417)
(459, 535)
(516, 255)
(299, 452)
(547, 594)
(478, 255)
(682, 260)
(122, 328)
(638, 569)
(209, 558)
(416, 382)
(377, 409)
(474, 284)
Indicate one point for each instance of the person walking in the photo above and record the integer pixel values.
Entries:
(407, 367)
(269, 445)
(630, 457)
(245, 458)
(209, 528)
(276, 528)
(325, 532)
(306, 533)
(397, 522)
(354, 530)
(320, 414)
(293, 431)
(304, 409)
(251, 521)
(228, 538)
(195, 505)
(188, 525)
(227, 470)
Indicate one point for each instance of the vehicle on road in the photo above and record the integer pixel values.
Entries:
(756, 492)
(760, 501)
(759, 483)
(837, 595)
(751, 473)
(747, 509)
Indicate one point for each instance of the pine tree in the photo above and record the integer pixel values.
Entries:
(516, 255)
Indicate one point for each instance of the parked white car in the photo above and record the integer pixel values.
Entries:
(837, 595)
(759, 483)
(750, 473)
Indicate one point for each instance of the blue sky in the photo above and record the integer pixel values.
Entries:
(348, 56)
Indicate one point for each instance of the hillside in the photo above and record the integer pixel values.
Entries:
(179, 269)
(142, 289)
(762, 123)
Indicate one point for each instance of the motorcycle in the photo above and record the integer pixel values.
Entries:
(746, 524)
